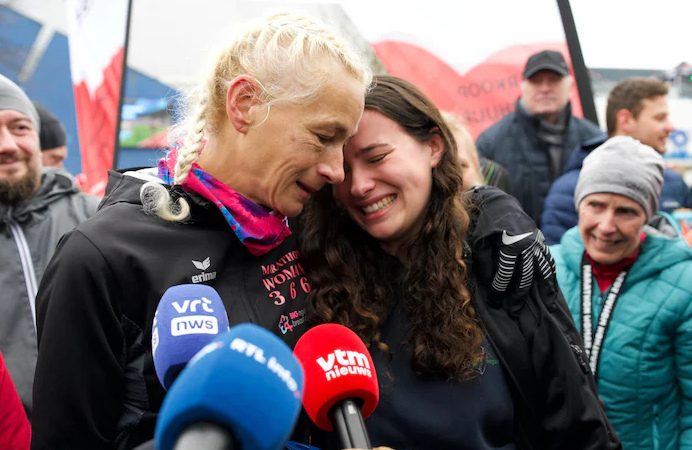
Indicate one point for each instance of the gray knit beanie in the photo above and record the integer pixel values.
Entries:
(13, 97)
(624, 166)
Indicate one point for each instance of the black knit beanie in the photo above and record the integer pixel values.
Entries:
(52, 133)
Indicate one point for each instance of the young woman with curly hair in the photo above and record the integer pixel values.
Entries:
(471, 349)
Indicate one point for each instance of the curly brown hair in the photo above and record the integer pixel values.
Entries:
(342, 259)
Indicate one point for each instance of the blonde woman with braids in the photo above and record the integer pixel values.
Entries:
(401, 254)
(263, 132)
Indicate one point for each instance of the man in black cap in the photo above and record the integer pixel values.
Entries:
(53, 139)
(536, 140)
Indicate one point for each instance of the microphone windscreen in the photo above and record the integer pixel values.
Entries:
(188, 317)
(337, 365)
(246, 380)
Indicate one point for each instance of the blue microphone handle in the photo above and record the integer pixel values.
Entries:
(206, 436)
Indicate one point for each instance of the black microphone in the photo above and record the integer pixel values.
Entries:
(349, 425)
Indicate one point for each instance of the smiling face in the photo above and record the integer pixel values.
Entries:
(290, 151)
(652, 126)
(610, 226)
(388, 179)
(20, 157)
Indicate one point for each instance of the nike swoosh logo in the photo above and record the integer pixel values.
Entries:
(509, 240)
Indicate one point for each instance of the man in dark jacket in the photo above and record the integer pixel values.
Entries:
(537, 139)
(637, 107)
(37, 205)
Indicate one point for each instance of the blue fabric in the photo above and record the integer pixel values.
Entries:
(560, 214)
(645, 369)
(513, 142)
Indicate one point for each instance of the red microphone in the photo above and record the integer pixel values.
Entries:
(340, 382)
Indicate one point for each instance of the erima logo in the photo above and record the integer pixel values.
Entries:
(181, 326)
(203, 265)
(353, 363)
(192, 305)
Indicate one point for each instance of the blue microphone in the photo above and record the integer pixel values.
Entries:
(243, 390)
(189, 316)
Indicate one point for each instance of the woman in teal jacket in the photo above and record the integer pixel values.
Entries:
(634, 306)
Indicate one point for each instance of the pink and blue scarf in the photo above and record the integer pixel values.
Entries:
(258, 229)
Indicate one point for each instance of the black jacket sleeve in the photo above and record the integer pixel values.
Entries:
(79, 375)
(537, 341)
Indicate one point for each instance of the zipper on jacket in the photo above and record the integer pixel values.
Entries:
(27, 266)
(654, 430)
(579, 354)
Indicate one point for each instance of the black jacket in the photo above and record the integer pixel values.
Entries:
(513, 142)
(556, 404)
(95, 385)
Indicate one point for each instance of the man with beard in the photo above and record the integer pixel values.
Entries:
(37, 206)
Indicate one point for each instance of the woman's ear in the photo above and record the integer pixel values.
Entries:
(242, 99)
(437, 147)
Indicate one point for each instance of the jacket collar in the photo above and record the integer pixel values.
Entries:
(124, 187)
(55, 184)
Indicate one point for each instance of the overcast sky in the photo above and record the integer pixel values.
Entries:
(649, 34)
(169, 37)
